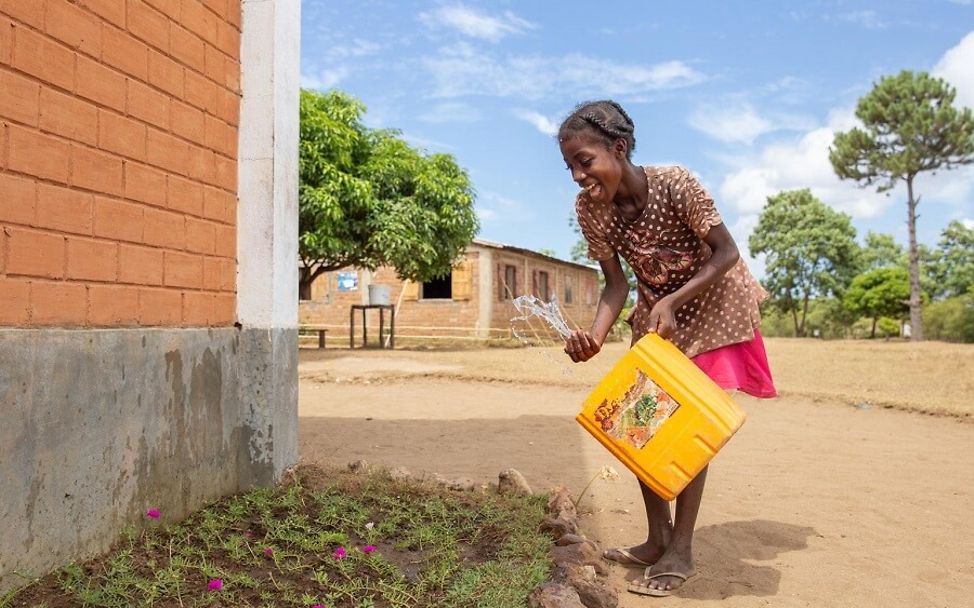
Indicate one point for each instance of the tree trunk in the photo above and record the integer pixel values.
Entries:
(916, 308)
(801, 329)
(872, 334)
(794, 318)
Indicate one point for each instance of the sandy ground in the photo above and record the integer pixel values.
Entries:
(815, 502)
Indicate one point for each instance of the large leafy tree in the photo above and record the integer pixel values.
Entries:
(910, 125)
(368, 199)
(881, 251)
(809, 251)
(881, 292)
(953, 269)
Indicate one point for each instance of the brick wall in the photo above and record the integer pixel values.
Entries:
(118, 171)
(330, 307)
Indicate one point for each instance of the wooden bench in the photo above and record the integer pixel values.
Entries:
(321, 331)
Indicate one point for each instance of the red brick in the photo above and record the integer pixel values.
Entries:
(92, 260)
(14, 303)
(121, 135)
(226, 173)
(185, 196)
(96, 170)
(221, 137)
(226, 241)
(197, 308)
(73, 26)
(217, 6)
(125, 53)
(232, 75)
(168, 152)
(211, 273)
(228, 39)
(112, 11)
(166, 74)
(228, 275)
(145, 184)
(233, 12)
(200, 235)
(202, 164)
(201, 92)
(224, 310)
(140, 265)
(64, 209)
(58, 303)
(183, 270)
(20, 98)
(160, 306)
(31, 13)
(38, 254)
(187, 122)
(188, 48)
(148, 24)
(118, 220)
(215, 204)
(200, 20)
(147, 104)
(113, 305)
(227, 106)
(215, 63)
(38, 154)
(68, 116)
(6, 40)
(19, 199)
(164, 229)
(100, 84)
(43, 58)
(168, 7)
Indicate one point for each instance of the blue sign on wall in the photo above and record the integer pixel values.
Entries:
(347, 281)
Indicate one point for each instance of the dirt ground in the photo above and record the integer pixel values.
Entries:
(831, 495)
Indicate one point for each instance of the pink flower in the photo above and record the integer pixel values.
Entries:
(268, 551)
(339, 553)
(248, 534)
(368, 549)
(153, 514)
(317, 606)
(215, 584)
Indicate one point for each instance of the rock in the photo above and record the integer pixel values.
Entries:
(461, 484)
(580, 554)
(592, 592)
(569, 539)
(510, 481)
(560, 504)
(554, 595)
(558, 526)
(400, 473)
(360, 466)
(587, 572)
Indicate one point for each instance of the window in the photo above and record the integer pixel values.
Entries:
(568, 289)
(509, 283)
(543, 292)
(439, 289)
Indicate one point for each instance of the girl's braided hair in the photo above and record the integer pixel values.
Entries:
(605, 119)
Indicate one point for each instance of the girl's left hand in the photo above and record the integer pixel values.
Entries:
(662, 319)
(581, 346)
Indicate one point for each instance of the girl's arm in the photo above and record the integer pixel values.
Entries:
(583, 345)
(724, 254)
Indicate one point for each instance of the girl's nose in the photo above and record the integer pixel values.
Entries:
(578, 175)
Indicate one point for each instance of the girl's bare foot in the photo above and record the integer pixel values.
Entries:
(673, 560)
(645, 554)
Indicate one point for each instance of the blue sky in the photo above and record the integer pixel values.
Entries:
(747, 94)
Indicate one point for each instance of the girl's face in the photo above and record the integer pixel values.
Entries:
(593, 167)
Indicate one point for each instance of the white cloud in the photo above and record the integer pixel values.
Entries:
(956, 68)
(324, 79)
(462, 70)
(357, 48)
(541, 122)
(473, 23)
(968, 223)
(486, 215)
(867, 19)
(962, 2)
(492, 206)
(739, 123)
(451, 112)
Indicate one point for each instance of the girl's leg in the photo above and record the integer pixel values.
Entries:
(678, 556)
(660, 528)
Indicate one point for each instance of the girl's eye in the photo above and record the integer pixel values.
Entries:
(586, 162)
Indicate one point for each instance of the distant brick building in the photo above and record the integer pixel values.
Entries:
(474, 301)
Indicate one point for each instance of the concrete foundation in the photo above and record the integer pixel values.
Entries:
(100, 425)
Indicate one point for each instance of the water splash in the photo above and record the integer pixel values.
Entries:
(529, 306)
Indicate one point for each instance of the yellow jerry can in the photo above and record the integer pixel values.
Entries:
(660, 415)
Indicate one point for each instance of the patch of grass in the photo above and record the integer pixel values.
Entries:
(279, 547)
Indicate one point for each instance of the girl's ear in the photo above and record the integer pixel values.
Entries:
(620, 148)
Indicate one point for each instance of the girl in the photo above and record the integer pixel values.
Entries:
(693, 289)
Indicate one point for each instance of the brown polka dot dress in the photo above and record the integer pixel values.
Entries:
(665, 248)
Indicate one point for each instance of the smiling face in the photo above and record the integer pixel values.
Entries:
(594, 167)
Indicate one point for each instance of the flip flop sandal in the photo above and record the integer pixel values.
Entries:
(628, 559)
(642, 590)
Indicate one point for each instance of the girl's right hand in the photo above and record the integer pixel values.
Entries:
(581, 346)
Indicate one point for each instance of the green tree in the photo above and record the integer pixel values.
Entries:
(368, 199)
(809, 251)
(881, 292)
(881, 251)
(953, 270)
(910, 125)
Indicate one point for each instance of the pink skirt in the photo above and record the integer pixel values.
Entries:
(742, 366)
